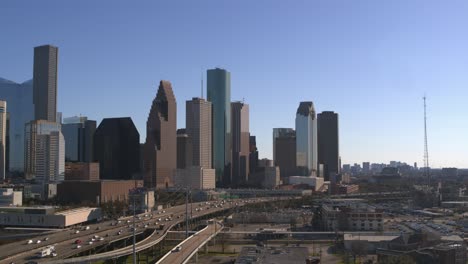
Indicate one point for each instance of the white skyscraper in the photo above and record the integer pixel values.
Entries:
(45, 152)
(306, 139)
(3, 132)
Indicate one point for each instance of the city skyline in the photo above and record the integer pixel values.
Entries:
(365, 101)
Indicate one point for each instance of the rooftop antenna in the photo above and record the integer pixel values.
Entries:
(426, 151)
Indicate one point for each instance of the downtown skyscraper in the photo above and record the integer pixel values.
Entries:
(3, 142)
(328, 143)
(160, 150)
(79, 133)
(306, 139)
(240, 143)
(45, 83)
(198, 128)
(219, 94)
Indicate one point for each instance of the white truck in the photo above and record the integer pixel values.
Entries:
(45, 252)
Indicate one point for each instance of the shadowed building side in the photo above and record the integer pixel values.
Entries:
(117, 149)
(160, 154)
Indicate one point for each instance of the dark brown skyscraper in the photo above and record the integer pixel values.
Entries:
(240, 143)
(160, 160)
(45, 83)
(285, 152)
(328, 143)
(184, 149)
(117, 149)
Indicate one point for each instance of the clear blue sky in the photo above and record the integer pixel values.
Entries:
(370, 61)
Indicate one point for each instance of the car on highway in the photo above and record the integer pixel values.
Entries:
(77, 246)
(86, 228)
(90, 242)
(101, 239)
(177, 249)
(38, 242)
(77, 241)
(77, 231)
(54, 254)
(30, 242)
(45, 239)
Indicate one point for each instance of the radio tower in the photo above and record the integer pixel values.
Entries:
(426, 151)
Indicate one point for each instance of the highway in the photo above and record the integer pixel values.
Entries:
(64, 242)
(187, 248)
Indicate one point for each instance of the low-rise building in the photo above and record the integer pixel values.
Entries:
(344, 215)
(196, 177)
(47, 216)
(9, 197)
(82, 171)
(96, 192)
(315, 182)
(144, 200)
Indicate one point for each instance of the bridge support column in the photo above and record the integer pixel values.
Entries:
(196, 257)
(206, 248)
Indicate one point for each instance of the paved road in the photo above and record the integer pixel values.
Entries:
(21, 252)
(190, 245)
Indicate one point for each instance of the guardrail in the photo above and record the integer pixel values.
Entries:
(180, 244)
(202, 244)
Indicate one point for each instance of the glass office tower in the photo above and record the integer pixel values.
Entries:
(306, 139)
(219, 94)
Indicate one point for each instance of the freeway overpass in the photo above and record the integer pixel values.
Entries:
(21, 252)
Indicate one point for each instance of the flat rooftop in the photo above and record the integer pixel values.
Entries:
(273, 255)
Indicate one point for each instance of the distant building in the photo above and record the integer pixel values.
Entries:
(449, 172)
(45, 83)
(219, 94)
(265, 163)
(160, 155)
(196, 177)
(306, 139)
(81, 171)
(47, 217)
(184, 149)
(144, 200)
(366, 167)
(3, 142)
(253, 155)
(313, 181)
(281, 132)
(45, 153)
(96, 192)
(285, 153)
(389, 175)
(199, 129)
(9, 197)
(271, 177)
(240, 143)
(117, 149)
(19, 98)
(350, 215)
(328, 143)
(79, 135)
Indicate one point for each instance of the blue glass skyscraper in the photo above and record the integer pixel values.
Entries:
(219, 94)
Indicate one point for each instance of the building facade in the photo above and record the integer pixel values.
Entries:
(280, 132)
(45, 83)
(44, 153)
(3, 139)
(285, 153)
(19, 98)
(78, 133)
(184, 149)
(160, 156)
(198, 128)
(328, 143)
(219, 94)
(117, 149)
(82, 171)
(306, 139)
(240, 143)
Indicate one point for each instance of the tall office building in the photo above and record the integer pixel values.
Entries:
(306, 139)
(285, 151)
(280, 132)
(184, 149)
(198, 128)
(160, 159)
(44, 153)
(3, 142)
(45, 83)
(328, 143)
(117, 149)
(240, 143)
(253, 156)
(219, 94)
(78, 133)
(20, 111)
